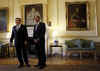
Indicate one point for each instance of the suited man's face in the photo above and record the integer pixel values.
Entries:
(37, 19)
(18, 21)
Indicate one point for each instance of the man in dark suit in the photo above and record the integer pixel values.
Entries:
(39, 40)
(20, 37)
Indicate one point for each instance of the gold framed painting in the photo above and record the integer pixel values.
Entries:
(31, 11)
(4, 20)
(76, 15)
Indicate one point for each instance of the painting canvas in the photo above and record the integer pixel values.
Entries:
(77, 16)
(3, 19)
(31, 11)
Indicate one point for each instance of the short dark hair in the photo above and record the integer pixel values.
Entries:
(18, 19)
(38, 17)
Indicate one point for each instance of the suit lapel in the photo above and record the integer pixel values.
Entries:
(15, 28)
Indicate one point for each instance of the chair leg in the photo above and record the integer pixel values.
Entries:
(68, 54)
(80, 55)
(95, 57)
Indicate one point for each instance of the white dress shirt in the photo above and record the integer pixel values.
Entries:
(18, 26)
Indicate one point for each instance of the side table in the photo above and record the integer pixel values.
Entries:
(56, 46)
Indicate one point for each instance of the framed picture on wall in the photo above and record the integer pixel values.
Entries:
(76, 15)
(31, 11)
(3, 19)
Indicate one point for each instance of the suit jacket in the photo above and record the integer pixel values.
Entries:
(19, 36)
(39, 33)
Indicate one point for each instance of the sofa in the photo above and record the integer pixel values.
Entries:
(80, 46)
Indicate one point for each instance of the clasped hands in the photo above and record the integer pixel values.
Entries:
(10, 44)
(36, 40)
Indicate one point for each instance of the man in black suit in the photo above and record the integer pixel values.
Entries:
(39, 40)
(20, 37)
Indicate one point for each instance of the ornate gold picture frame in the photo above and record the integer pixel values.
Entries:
(76, 15)
(4, 20)
(31, 11)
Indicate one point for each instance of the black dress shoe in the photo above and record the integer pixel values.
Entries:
(28, 65)
(41, 67)
(36, 65)
(20, 66)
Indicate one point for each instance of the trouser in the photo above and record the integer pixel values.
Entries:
(41, 55)
(22, 55)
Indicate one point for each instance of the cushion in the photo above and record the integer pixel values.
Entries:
(80, 44)
(69, 44)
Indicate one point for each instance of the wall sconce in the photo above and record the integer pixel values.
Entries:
(49, 23)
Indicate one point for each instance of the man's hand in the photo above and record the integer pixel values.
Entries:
(10, 44)
(25, 42)
(36, 40)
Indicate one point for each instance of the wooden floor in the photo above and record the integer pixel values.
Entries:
(54, 60)
(55, 63)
